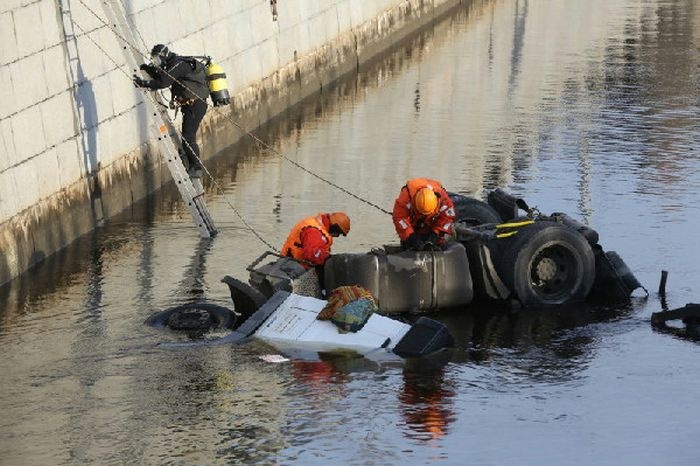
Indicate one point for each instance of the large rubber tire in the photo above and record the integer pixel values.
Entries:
(473, 212)
(547, 264)
(221, 317)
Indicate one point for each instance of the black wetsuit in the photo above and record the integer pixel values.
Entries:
(188, 82)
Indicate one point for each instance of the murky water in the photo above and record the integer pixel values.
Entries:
(589, 108)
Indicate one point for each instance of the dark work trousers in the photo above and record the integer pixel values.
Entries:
(191, 118)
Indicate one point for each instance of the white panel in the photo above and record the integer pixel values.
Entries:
(129, 134)
(168, 24)
(201, 18)
(8, 195)
(294, 325)
(294, 39)
(222, 8)
(217, 43)
(45, 165)
(58, 118)
(27, 24)
(104, 155)
(262, 26)
(27, 181)
(124, 94)
(29, 80)
(8, 51)
(248, 4)
(289, 13)
(330, 22)
(252, 63)
(196, 44)
(144, 24)
(187, 11)
(357, 13)
(7, 144)
(344, 18)
(56, 68)
(134, 129)
(92, 61)
(268, 57)
(8, 96)
(84, 18)
(141, 5)
(317, 32)
(28, 134)
(97, 96)
(286, 43)
(190, 45)
(9, 5)
(240, 32)
(51, 27)
(112, 49)
(69, 162)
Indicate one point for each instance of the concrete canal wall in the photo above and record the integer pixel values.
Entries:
(75, 147)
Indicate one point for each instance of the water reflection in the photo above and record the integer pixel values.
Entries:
(520, 20)
(589, 108)
(192, 284)
(426, 398)
(540, 344)
(90, 337)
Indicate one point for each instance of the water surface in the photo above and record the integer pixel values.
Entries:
(589, 108)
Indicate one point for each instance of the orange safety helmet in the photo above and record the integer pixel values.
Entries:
(425, 201)
(340, 220)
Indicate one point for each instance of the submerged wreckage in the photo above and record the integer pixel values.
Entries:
(499, 255)
(503, 251)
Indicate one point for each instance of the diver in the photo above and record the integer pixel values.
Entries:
(187, 79)
(423, 214)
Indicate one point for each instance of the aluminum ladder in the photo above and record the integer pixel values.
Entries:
(161, 127)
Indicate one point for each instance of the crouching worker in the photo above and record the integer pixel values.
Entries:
(423, 214)
(187, 79)
(311, 239)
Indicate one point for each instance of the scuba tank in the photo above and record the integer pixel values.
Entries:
(216, 80)
(218, 89)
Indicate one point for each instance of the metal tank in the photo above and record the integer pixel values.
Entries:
(406, 281)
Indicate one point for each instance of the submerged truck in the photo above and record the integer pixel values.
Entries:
(503, 251)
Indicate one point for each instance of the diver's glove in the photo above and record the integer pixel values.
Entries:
(150, 69)
(140, 82)
(433, 238)
(414, 242)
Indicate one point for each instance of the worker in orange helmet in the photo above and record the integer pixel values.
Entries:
(423, 214)
(311, 239)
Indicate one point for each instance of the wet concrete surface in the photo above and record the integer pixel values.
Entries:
(589, 109)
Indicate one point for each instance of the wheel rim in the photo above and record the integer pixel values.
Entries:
(554, 273)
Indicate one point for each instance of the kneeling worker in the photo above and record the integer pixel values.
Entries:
(311, 239)
(186, 77)
(423, 213)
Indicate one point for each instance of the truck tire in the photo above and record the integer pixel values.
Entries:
(547, 264)
(472, 211)
(194, 316)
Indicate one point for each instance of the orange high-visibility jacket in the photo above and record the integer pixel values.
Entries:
(307, 245)
(407, 220)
